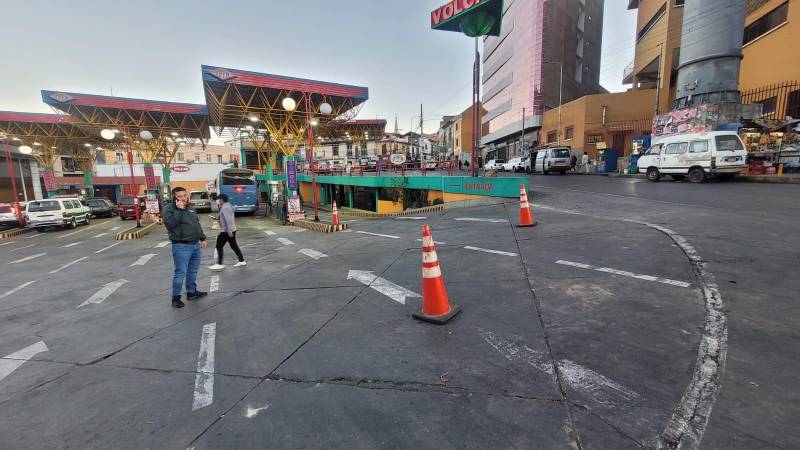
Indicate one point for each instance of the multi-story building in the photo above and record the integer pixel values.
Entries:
(546, 48)
(445, 136)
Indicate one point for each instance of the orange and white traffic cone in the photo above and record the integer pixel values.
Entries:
(435, 304)
(335, 214)
(525, 215)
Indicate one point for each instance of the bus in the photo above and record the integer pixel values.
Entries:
(241, 187)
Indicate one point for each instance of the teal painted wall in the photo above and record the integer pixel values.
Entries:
(492, 187)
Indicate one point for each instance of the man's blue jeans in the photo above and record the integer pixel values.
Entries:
(187, 262)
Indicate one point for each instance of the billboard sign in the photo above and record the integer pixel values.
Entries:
(471, 17)
(291, 175)
(397, 159)
(150, 178)
(49, 181)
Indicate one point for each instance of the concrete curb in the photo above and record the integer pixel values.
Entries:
(320, 227)
(769, 179)
(408, 212)
(14, 232)
(135, 233)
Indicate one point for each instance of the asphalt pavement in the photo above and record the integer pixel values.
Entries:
(635, 314)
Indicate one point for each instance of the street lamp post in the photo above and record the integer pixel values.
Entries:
(311, 123)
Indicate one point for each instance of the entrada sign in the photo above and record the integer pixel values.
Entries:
(471, 17)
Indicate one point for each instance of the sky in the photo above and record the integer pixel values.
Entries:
(153, 49)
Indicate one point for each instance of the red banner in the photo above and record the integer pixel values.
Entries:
(150, 178)
(49, 181)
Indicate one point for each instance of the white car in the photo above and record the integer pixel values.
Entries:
(695, 156)
(494, 164)
(516, 164)
(62, 212)
(8, 215)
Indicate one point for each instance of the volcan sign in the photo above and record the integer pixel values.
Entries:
(471, 17)
(181, 169)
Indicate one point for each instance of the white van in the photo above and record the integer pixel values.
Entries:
(695, 155)
(62, 212)
(554, 159)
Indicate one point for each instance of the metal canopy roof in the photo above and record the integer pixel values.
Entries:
(353, 128)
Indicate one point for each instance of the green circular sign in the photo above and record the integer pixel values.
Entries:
(477, 24)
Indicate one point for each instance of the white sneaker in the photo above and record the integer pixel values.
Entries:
(240, 264)
(217, 267)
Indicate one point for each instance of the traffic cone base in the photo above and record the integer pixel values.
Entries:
(335, 214)
(525, 215)
(438, 320)
(436, 306)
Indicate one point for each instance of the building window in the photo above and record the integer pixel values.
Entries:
(766, 23)
(383, 149)
(219, 159)
(769, 106)
(552, 136)
(569, 133)
(197, 157)
(232, 159)
(120, 157)
(101, 158)
(181, 157)
(335, 148)
(208, 158)
(679, 2)
(793, 104)
(652, 22)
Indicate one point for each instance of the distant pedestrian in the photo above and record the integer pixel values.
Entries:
(227, 234)
(573, 162)
(585, 163)
(187, 239)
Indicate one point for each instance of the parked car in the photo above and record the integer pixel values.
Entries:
(695, 155)
(552, 159)
(101, 207)
(200, 200)
(494, 164)
(126, 208)
(8, 215)
(516, 164)
(61, 212)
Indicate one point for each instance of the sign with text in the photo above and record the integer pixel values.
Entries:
(291, 175)
(295, 209)
(150, 178)
(181, 169)
(397, 159)
(471, 17)
(49, 181)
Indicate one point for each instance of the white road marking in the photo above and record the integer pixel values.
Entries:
(486, 250)
(385, 287)
(410, 218)
(204, 382)
(476, 219)
(6, 243)
(252, 412)
(20, 248)
(106, 248)
(213, 285)
(435, 242)
(114, 228)
(35, 235)
(162, 244)
(69, 264)
(72, 245)
(81, 230)
(12, 362)
(310, 252)
(598, 387)
(101, 295)
(270, 233)
(379, 235)
(16, 289)
(285, 241)
(143, 259)
(300, 230)
(99, 235)
(28, 258)
(625, 273)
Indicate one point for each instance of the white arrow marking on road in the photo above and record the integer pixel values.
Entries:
(18, 288)
(20, 248)
(310, 252)
(6, 243)
(72, 245)
(214, 284)
(476, 219)
(625, 273)
(252, 412)
(27, 258)
(69, 264)
(410, 218)
(285, 241)
(143, 259)
(101, 295)
(99, 235)
(270, 233)
(162, 244)
(204, 382)
(385, 287)
(379, 235)
(11, 362)
(486, 250)
(106, 248)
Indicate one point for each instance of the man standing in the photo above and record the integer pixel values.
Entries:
(227, 233)
(187, 239)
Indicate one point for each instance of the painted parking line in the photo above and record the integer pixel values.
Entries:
(16, 289)
(34, 236)
(114, 228)
(143, 260)
(69, 264)
(300, 230)
(20, 248)
(213, 285)
(28, 258)
(379, 235)
(101, 295)
(477, 219)
(13, 361)
(109, 247)
(80, 230)
(99, 235)
(625, 273)
(270, 233)
(285, 241)
(204, 381)
(410, 218)
(6, 243)
(486, 250)
(72, 245)
(162, 244)
(311, 253)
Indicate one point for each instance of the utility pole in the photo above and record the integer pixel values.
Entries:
(421, 132)
(658, 77)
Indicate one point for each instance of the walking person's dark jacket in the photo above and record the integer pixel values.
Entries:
(183, 224)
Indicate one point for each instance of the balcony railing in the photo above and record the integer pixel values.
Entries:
(627, 74)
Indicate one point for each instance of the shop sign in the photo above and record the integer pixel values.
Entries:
(397, 159)
(291, 175)
(594, 138)
(181, 169)
(295, 209)
(478, 186)
(150, 178)
(49, 181)
(152, 206)
(472, 17)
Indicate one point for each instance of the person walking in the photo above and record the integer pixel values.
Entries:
(573, 161)
(227, 234)
(187, 239)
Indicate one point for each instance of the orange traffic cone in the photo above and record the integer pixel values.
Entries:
(525, 216)
(335, 214)
(435, 305)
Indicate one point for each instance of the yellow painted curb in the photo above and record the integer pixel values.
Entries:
(408, 212)
(320, 227)
(135, 233)
(12, 233)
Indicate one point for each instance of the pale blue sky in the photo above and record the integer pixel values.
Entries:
(154, 48)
